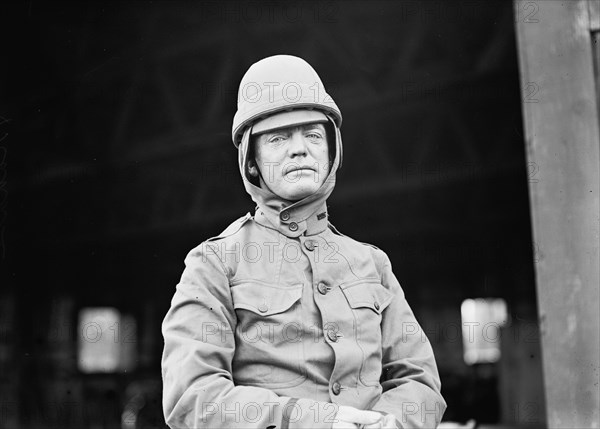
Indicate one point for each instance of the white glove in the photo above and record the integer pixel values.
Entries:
(353, 418)
(387, 422)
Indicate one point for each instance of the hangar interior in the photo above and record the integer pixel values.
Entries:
(118, 160)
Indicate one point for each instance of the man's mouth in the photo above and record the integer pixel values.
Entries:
(299, 168)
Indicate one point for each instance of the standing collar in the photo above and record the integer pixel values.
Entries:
(291, 223)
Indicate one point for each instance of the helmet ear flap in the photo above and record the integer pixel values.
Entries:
(339, 146)
(247, 158)
(334, 138)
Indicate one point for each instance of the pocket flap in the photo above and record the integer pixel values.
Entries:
(265, 299)
(367, 294)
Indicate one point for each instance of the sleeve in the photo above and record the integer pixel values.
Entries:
(198, 387)
(410, 380)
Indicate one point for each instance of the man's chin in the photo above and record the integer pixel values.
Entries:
(300, 193)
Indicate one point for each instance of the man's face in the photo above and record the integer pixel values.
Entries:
(293, 162)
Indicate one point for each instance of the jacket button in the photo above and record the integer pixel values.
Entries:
(322, 288)
(376, 305)
(285, 216)
(310, 245)
(263, 308)
(336, 388)
(293, 226)
(332, 335)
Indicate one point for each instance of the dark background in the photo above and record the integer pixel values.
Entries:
(117, 159)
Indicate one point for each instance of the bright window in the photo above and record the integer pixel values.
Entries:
(106, 340)
(482, 319)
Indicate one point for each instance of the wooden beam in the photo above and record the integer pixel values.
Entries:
(562, 138)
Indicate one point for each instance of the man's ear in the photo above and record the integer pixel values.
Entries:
(252, 168)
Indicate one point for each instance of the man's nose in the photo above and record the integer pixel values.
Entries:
(297, 145)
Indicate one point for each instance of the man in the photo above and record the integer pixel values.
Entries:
(281, 321)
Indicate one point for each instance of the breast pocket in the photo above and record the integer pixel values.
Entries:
(368, 299)
(268, 334)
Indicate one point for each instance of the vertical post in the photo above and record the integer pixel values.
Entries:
(562, 140)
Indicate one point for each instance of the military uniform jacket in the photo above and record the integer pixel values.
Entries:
(271, 331)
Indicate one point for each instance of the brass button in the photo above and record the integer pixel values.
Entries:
(293, 226)
(376, 305)
(336, 388)
(263, 308)
(310, 245)
(285, 216)
(332, 335)
(322, 288)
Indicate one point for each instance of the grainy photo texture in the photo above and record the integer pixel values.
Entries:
(304, 214)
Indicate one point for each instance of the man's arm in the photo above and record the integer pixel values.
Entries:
(410, 379)
(198, 387)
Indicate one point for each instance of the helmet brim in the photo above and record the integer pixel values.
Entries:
(288, 119)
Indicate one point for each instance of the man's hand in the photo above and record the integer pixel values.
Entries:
(353, 418)
(387, 422)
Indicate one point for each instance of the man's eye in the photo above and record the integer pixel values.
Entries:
(314, 136)
(276, 139)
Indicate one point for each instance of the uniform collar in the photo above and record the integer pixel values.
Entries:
(292, 223)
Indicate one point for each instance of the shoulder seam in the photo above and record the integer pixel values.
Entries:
(335, 231)
(234, 227)
(206, 244)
